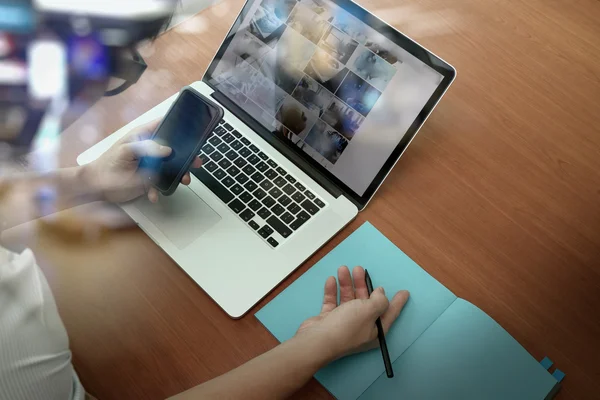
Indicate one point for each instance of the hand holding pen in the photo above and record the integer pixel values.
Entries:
(350, 326)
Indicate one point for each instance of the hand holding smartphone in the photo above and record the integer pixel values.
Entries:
(185, 128)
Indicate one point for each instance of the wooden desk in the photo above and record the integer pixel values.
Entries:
(497, 197)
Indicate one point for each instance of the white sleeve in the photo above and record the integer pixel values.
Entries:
(35, 360)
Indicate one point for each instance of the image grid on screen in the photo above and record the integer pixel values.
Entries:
(310, 72)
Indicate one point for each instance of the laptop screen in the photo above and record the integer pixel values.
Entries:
(328, 83)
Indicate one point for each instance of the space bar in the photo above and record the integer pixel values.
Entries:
(214, 185)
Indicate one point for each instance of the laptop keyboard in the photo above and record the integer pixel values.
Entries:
(271, 201)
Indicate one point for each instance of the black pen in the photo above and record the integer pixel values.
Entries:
(380, 335)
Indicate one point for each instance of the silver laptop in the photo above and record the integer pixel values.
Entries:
(321, 99)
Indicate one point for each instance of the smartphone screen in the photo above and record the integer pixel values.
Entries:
(184, 129)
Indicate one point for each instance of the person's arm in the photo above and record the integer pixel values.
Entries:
(30, 196)
(273, 375)
(114, 177)
(337, 331)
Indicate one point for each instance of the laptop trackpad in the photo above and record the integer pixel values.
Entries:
(182, 217)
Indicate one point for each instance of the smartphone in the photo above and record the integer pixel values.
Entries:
(185, 128)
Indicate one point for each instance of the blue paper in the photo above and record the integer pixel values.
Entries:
(441, 347)
(388, 267)
(546, 363)
(558, 375)
(464, 355)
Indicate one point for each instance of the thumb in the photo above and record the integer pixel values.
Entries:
(379, 302)
(148, 148)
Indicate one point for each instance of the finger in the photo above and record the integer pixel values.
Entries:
(197, 162)
(330, 296)
(186, 179)
(148, 148)
(153, 195)
(379, 303)
(394, 309)
(360, 285)
(346, 287)
(142, 132)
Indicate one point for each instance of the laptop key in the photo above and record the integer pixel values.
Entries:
(207, 148)
(210, 167)
(290, 179)
(236, 134)
(269, 201)
(289, 189)
(281, 171)
(236, 189)
(271, 174)
(272, 163)
(310, 195)
(246, 215)
(300, 187)
(245, 141)
(262, 167)
(241, 178)
(245, 152)
(303, 216)
(266, 184)
(287, 218)
(224, 163)
(219, 174)
(213, 185)
(297, 224)
(236, 144)
(259, 194)
(280, 181)
(246, 197)
(254, 148)
(253, 225)
(273, 242)
(219, 130)
(320, 203)
(228, 127)
(294, 208)
(249, 169)
(278, 209)
(240, 162)
(232, 155)
(265, 231)
(228, 138)
(284, 200)
(233, 170)
(258, 177)
(298, 197)
(263, 156)
(216, 156)
(310, 207)
(237, 206)
(250, 186)
(214, 140)
(223, 148)
(300, 220)
(264, 213)
(228, 181)
(254, 205)
(275, 192)
(279, 226)
(253, 159)
(205, 159)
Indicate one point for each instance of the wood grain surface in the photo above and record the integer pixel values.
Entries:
(497, 198)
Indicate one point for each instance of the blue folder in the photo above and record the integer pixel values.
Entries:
(441, 346)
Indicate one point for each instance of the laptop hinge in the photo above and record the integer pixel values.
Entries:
(291, 153)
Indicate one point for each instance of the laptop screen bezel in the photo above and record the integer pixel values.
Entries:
(416, 50)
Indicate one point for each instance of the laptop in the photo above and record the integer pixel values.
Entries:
(321, 99)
